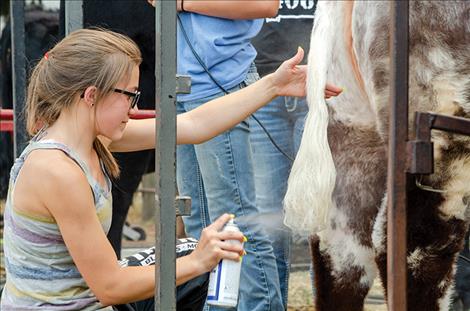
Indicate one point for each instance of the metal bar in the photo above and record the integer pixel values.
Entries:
(396, 175)
(7, 114)
(18, 55)
(73, 15)
(143, 114)
(165, 233)
(6, 126)
(450, 124)
(420, 154)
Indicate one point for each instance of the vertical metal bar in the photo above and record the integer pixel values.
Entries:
(20, 137)
(396, 180)
(165, 67)
(73, 15)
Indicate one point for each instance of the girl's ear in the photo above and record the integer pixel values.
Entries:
(89, 95)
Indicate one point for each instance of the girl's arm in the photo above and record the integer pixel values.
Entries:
(66, 194)
(221, 114)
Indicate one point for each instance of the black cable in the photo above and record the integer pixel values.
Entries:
(196, 55)
(272, 139)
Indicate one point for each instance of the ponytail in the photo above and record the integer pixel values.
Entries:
(109, 162)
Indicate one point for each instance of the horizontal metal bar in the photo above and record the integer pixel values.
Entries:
(425, 122)
(143, 114)
(456, 125)
(7, 114)
(6, 126)
(420, 157)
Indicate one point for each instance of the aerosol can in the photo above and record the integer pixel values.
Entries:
(224, 280)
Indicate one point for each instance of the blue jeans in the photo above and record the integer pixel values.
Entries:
(284, 120)
(218, 175)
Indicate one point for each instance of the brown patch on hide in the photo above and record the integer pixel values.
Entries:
(340, 293)
(437, 242)
(360, 161)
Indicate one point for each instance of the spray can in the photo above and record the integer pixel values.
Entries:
(224, 280)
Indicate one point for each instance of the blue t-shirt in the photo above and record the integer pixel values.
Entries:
(224, 47)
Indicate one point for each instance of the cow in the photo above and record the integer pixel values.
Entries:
(336, 190)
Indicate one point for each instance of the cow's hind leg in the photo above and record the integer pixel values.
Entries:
(343, 272)
(343, 257)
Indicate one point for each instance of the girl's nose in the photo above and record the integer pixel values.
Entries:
(133, 111)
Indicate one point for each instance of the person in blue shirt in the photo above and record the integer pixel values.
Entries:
(214, 49)
(218, 174)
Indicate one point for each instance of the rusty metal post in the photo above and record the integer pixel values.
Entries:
(396, 174)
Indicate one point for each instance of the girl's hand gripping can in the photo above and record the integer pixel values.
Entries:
(224, 279)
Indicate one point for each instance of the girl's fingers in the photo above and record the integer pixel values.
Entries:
(230, 235)
(220, 222)
(331, 93)
(333, 88)
(296, 59)
(230, 255)
(231, 247)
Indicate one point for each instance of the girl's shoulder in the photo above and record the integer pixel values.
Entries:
(52, 165)
(46, 179)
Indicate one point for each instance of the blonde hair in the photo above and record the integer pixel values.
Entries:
(86, 57)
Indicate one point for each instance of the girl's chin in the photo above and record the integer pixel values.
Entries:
(117, 135)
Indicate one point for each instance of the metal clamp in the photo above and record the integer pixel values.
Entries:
(183, 206)
(183, 84)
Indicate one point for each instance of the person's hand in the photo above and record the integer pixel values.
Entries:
(214, 246)
(290, 78)
(332, 90)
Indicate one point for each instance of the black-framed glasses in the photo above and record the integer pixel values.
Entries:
(135, 96)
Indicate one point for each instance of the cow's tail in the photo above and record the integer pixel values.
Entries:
(312, 179)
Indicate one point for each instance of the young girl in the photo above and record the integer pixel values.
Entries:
(58, 210)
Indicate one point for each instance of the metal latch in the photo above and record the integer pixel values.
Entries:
(183, 84)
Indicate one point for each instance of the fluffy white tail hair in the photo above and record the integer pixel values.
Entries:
(312, 179)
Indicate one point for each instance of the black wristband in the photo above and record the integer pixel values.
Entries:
(182, 6)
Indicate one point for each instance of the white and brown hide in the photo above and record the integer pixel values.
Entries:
(338, 182)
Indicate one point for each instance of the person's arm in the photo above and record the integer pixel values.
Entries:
(66, 194)
(231, 9)
(221, 114)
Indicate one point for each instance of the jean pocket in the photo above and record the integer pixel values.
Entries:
(251, 76)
